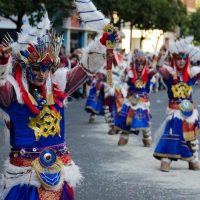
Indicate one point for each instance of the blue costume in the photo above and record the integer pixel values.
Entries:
(39, 165)
(134, 115)
(178, 139)
(95, 99)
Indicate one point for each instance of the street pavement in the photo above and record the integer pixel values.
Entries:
(128, 172)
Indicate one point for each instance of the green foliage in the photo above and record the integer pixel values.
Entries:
(145, 14)
(57, 10)
(192, 26)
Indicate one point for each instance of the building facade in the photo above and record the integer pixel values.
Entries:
(155, 38)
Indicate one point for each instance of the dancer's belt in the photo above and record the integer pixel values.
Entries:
(34, 152)
(141, 94)
(186, 105)
(178, 101)
(47, 162)
(174, 103)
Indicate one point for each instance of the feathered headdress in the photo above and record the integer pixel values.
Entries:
(183, 50)
(140, 58)
(35, 47)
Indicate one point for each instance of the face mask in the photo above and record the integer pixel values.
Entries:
(34, 70)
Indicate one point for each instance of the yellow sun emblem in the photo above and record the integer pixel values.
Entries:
(181, 90)
(46, 123)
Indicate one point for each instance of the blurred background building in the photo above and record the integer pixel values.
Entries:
(155, 36)
(78, 35)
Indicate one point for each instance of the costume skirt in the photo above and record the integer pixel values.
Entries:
(173, 144)
(132, 118)
(95, 102)
(27, 192)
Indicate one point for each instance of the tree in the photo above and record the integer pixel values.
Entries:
(170, 13)
(163, 15)
(192, 26)
(110, 8)
(35, 9)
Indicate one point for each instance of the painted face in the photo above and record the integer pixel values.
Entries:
(181, 60)
(36, 75)
(139, 65)
(36, 69)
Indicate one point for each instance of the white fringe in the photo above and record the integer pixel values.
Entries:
(177, 114)
(194, 71)
(166, 160)
(142, 105)
(125, 136)
(194, 160)
(16, 88)
(60, 78)
(93, 62)
(71, 174)
(194, 141)
(195, 147)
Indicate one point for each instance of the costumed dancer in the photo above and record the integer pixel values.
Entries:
(95, 100)
(114, 96)
(182, 123)
(134, 115)
(40, 166)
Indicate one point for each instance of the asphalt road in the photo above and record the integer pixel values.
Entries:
(122, 173)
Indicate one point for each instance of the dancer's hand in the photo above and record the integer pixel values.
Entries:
(104, 38)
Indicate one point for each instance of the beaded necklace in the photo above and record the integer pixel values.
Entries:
(39, 97)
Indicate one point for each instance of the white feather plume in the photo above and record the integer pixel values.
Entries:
(193, 52)
(91, 16)
(24, 39)
(179, 46)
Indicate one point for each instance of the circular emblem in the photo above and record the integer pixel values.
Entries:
(186, 108)
(47, 158)
(186, 105)
(22, 152)
(136, 97)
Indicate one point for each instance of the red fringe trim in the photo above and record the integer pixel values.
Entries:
(18, 72)
(56, 93)
(144, 74)
(185, 73)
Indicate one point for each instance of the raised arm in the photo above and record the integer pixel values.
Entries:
(164, 70)
(92, 60)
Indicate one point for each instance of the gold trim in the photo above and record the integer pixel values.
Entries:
(120, 129)
(50, 99)
(188, 136)
(32, 99)
(109, 78)
(173, 156)
(89, 107)
(139, 84)
(169, 139)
